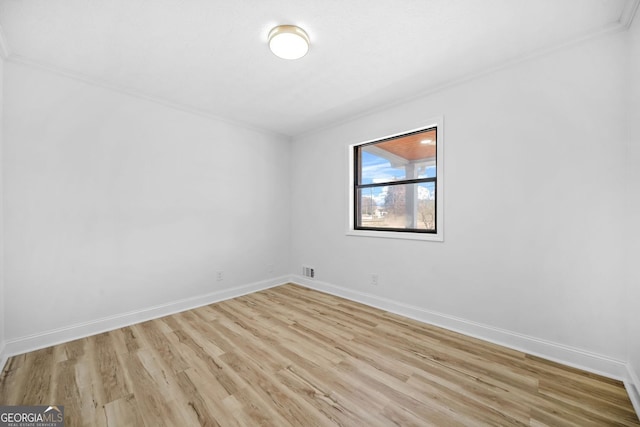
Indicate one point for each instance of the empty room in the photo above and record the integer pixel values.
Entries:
(317, 213)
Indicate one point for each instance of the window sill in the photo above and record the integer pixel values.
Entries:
(397, 235)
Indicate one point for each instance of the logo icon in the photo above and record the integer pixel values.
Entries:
(32, 416)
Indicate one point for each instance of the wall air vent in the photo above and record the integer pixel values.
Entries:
(308, 272)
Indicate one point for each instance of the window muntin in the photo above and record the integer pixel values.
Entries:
(395, 182)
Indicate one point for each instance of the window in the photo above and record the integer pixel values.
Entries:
(397, 185)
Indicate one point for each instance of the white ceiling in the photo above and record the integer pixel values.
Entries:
(211, 56)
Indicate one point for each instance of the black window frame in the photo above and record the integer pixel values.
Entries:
(357, 175)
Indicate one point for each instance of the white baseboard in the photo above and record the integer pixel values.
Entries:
(82, 330)
(3, 356)
(563, 354)
(566, 355)
(633, 388)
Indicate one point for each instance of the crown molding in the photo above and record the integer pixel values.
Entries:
(105, 84)
(605, 30)
(4, 47)
(629, 13)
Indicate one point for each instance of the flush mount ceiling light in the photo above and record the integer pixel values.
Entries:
(288, 42)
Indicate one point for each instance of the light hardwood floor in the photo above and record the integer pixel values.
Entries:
(294, 356)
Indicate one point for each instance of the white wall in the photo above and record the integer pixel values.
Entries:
(633, 163)
(115, 204)
(2, 300)
(533, 246)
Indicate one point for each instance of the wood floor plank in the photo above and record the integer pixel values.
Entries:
(92, 390)
(177, 407)
(37, 385)
(292, 356)
(223, 381)
(279, 399)
(210, 409)
(349, 401)
(123, 412)
(203, 333)
(319, 397)
(157, 339)
(157, 407)
(13, 379)
(110, 369)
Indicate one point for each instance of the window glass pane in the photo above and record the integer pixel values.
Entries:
(408, 157)
(428, 171)
(376, 169)
(403, 206)
(426, 210)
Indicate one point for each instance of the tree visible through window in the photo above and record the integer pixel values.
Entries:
(395, 181)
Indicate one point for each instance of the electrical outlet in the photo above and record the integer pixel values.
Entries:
(374, 280)
(220, 276)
